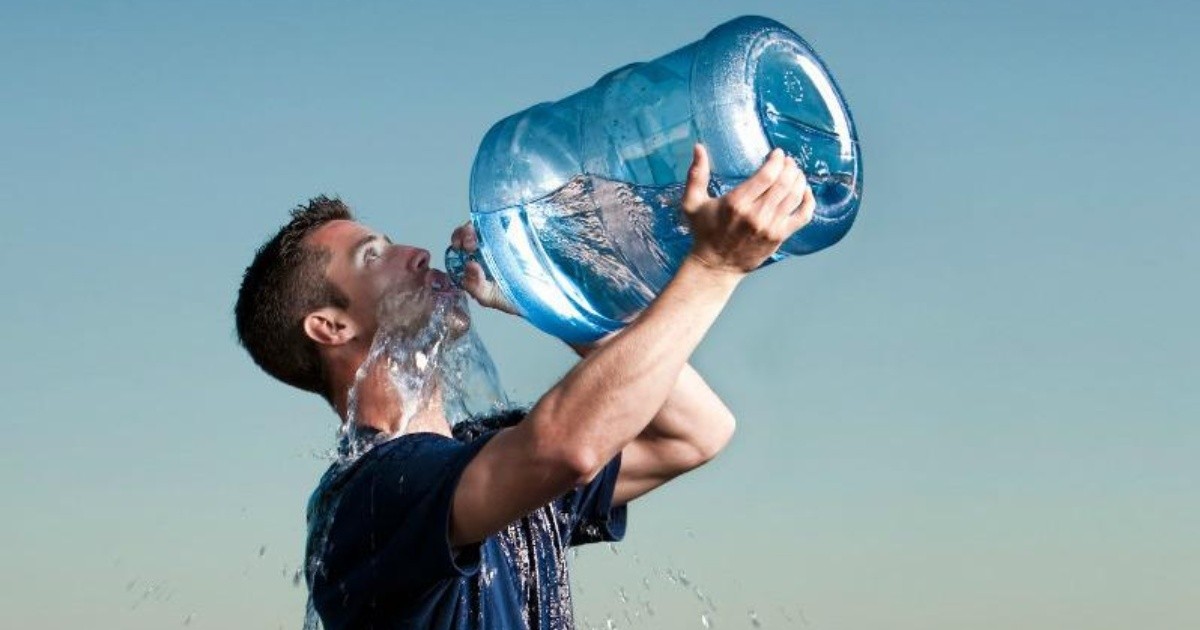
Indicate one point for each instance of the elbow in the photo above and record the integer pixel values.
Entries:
(581, 465)
(563, 455)
(717, 439)
(566, 467)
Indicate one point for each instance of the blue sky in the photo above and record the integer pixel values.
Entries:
(978, 410)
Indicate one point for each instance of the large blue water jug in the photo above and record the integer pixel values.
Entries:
(575, 202)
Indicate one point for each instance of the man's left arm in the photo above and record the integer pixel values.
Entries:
(691, 428)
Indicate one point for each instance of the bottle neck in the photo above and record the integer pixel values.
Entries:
(456, 264)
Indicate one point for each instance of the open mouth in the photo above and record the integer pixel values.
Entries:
(440, 282)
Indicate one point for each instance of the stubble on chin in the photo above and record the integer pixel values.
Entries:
(408, 313)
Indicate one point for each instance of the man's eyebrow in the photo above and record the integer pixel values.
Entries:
(367, 239)
(361, 242)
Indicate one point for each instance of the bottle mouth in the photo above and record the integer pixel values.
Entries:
(456, 264)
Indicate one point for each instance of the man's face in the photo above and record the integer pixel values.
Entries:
(366, 266)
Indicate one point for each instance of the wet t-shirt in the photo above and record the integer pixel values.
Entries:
(379, 555)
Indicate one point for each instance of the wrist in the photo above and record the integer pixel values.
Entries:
(584, 349)
(699, 265)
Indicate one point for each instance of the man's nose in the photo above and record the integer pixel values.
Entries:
(419, 260)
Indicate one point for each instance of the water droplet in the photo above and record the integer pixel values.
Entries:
(754, 620)
(262, 551)
(705, 621)
(613, 548)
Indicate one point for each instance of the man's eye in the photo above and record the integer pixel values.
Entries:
(371, 254)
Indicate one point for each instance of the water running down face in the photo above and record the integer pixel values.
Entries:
(422, 355)
(367, 267)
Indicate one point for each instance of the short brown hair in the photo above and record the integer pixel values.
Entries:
(284, 283)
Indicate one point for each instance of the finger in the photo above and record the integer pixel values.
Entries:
(470, 241)
(790, 205)
(474, 282)
(695, 191)
(775, 197)
(456, 237)
(761, 180)
(802, 216)
(794, 197)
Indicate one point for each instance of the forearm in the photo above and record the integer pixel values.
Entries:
(693, 414)
(611, 396)
(695, 419)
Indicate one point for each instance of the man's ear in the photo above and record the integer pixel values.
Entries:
(329, 326)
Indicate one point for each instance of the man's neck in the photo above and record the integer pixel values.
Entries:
(379, 407)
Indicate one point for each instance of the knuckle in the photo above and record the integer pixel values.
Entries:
(748, 212)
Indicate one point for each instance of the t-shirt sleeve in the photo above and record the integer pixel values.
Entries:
(390, 535)
(590, 514)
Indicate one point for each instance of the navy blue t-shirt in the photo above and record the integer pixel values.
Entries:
(379, 556)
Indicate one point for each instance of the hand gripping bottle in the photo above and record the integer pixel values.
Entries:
(575, 202)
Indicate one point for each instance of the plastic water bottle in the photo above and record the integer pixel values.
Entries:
(575, 202)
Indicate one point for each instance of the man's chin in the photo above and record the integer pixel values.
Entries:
(410, 312)
(453, 311)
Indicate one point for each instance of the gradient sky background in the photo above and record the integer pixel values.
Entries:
(977, 411)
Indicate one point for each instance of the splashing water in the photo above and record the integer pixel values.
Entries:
(425, 358)
(425, 361)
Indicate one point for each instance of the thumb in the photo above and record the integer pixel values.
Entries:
(696, 190)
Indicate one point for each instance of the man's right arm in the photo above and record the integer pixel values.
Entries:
(607, 399)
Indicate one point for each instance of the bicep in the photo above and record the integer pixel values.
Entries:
(509, 478)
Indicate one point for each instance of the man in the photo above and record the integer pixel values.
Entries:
(466, 528)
